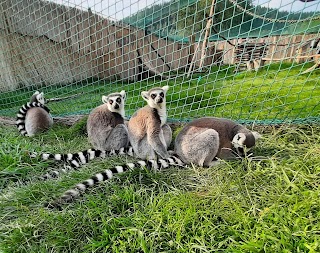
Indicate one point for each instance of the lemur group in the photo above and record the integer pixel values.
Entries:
(202, 142)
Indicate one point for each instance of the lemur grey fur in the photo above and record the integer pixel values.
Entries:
(149, 134)
(34, 117)
(105, 125)
(71, 194)
(203, 140)
(107, 133)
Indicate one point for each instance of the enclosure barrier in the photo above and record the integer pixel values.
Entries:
(229, 58)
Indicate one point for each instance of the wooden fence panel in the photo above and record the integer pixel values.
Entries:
(284, 47)
(7, 76)
(46, 43)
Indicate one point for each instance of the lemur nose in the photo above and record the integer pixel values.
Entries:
(116, 106)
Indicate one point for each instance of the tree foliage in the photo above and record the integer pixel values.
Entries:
(189, 17)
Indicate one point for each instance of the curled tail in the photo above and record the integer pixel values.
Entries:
(74, 161)
(78, 189)
(21, 115)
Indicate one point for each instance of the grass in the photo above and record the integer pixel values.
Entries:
(270, 205)
(276, 92)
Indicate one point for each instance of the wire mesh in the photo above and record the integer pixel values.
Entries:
(248, 60)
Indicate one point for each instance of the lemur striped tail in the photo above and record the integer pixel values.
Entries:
(77, 190)
(21, 115)
(77, 159)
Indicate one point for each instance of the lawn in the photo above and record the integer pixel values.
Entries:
(276, 93)
(269, 205)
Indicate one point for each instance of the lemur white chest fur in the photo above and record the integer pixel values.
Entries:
(34, 117)
(163, 115)
(162, 112)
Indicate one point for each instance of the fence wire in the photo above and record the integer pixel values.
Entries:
(248, 60)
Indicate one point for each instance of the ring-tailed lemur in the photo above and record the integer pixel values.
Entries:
(149, 136)
(34, 117)
(105, 125)
(203, 140)
(107, 133)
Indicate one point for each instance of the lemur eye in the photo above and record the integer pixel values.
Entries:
(118, 100)
(162, 94)
(110, 101)
(153, 96)
(239, 138)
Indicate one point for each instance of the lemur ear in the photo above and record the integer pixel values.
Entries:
(104, 99)
(165, 88)
(36, 93)
(256, 135)
(145, 95)
(39, 96)
(123, 94)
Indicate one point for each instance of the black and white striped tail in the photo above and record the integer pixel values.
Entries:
(21, 115)
(74, 161)
(77, 159)
(80, 188)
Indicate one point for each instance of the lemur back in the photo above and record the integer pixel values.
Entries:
(34, 117)
(205, 139)
(149, 134)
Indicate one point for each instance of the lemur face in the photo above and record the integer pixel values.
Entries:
(155, 97)
(238, 143)
(40, 98)
(244, 142)
(115, 101)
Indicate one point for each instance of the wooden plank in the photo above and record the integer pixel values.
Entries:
(7, 77)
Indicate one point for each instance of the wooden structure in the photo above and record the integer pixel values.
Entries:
(314, 44)
(277, 48)
(250, 55)
(280, 47)
(46, 43)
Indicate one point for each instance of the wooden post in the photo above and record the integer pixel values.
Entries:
(299, 53)
(204, 43)
(205, 39)
(192, 47)
(315, 66)
(196, 47)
